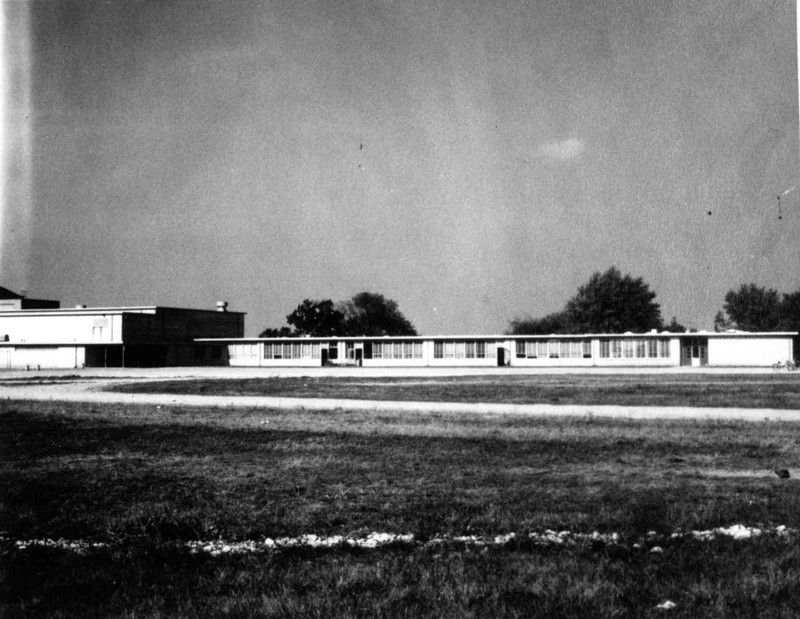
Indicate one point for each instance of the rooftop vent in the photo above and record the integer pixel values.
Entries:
(222, 306)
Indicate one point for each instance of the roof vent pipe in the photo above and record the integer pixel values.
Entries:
(222, 306)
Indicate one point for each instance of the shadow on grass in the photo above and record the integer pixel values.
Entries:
(720, 579)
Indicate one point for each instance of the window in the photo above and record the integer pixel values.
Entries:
(631, 348)
(467, 349)
(285, 350)
(393, 350)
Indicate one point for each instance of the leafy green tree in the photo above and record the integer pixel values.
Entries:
(369, 313)
(754, 308)
(608, 303)
(319, 318)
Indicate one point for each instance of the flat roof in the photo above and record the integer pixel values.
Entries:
(132, 309)
(578, 336)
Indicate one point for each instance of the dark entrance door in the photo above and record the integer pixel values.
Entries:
(324, 355)
(694, 351)
(501, 357)
(359, 356)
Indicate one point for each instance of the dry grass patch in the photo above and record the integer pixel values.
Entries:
(146, 479)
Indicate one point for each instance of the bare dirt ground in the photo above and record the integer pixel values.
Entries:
(90, 385)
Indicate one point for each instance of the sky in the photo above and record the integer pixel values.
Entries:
(474, 161)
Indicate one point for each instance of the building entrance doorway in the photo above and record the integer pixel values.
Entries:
(694, 351)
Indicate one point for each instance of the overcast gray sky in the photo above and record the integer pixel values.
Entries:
(474, 161)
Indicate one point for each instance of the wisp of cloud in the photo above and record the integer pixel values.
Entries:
(568, 149)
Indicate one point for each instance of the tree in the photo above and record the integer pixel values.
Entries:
(790, 312)
(608, 303)
(369, 313)
(318, 318)
(722, 322)
(613, 303)
(675, 327)
(552, 323)
(273, 332)
(753, 308)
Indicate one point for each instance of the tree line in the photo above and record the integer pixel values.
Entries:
(609, 302)
(754, 308)
(366, 313)
(614, 303)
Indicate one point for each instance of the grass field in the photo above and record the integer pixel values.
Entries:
(778, 390)
(146, 480)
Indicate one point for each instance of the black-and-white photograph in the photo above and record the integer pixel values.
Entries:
(399, 308)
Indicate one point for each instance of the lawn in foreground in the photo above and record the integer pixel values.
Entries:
(144, 480)
(778, 390)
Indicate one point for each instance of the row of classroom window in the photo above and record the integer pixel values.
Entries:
(628, 348)
(372, 350)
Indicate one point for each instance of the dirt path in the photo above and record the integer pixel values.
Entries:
(52, 387)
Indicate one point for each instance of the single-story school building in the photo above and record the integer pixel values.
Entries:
(38, 334)
(728, 349)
